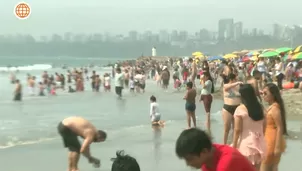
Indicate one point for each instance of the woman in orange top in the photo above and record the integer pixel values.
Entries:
(275, 128)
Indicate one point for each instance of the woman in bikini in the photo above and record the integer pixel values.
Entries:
(231, 102)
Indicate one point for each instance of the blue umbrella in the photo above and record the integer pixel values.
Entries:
(213, 58)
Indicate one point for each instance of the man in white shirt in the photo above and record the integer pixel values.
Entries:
(119, 82)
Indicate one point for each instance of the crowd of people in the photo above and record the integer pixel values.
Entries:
(258, 132)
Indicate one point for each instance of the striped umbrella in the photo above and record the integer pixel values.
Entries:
(297, 56)
(253, 53)
(298, 49)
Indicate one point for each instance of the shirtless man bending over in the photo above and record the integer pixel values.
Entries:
(72, 127)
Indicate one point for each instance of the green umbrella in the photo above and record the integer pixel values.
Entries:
(268, 54)
(283, 50)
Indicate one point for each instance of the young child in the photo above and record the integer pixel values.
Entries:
(131, 84)
(53, 89)
(154, 112)
(177, 83)
(107, 81)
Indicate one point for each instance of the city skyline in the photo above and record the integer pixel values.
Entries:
(227, 29)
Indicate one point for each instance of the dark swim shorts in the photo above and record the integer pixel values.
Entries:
(70, 139)
(190, 107)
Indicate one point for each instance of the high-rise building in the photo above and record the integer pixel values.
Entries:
(254, 32)
(183, 35)
(174, 35)
(133, 35)
(164, 36)
(238, 30)
(277, 31)
(226, 29)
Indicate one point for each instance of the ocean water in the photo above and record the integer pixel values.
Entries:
(29, 139)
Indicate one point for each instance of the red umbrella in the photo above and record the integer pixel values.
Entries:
(245, 59)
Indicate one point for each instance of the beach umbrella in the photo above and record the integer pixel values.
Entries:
(229, 56)
(297, 56)
(269, 54)
(199, 56)
(283, 50)
(253, 53)
(244, 51)
(298, 49)
(245, 59)
(254, 58)
(196, 53)
(267, 50)
(213, 58)
(237, 52)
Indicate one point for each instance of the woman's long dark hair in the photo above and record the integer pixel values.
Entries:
(208, 75)
(274, 90)
(250, 101)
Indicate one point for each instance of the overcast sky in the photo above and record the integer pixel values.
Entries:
(120, 16)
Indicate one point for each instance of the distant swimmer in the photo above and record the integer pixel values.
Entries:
(154, 112)
(12, 78)
(72, 127)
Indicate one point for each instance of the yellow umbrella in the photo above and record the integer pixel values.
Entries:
(254, 58)
(196, 53)
(199, 56)
(230, 55)
(298, 49)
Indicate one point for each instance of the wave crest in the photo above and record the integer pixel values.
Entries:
(27, 67)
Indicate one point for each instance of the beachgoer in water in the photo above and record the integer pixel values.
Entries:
(31, 85)
(12, 78)
(119, 82)
(41, 89)
(190, 105)
(71, 90)
(142, 82)
(131, 85)
(93, 80)
(196, 148)
(62, 78)
(249, 127)
(72, 127)
(127, 76)
(275, 128)
(177, 83)
(124, 162)
(69, 75)
(231, 102)
(97, 83)
(165, 77)
(193, 71)
(18, 91)
(206, 96)
(154, 112)
(107, 82)
(53, 89)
